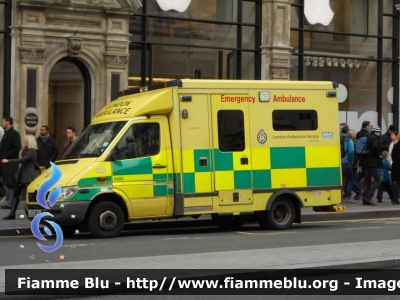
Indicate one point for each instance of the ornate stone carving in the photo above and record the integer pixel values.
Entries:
(280, 73)
(75, 46)
(32, 56)
(116, 61)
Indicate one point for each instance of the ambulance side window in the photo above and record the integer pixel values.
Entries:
(231, 130)
(147, 139)
(292, 120)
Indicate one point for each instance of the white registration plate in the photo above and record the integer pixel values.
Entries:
(33, 212)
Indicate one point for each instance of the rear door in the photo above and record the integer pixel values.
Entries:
(196, 152)
(231, 146)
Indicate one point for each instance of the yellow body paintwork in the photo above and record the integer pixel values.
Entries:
(206, 179)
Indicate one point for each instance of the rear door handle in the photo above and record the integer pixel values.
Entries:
(159, 167)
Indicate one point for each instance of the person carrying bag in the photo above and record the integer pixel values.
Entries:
(28, 171)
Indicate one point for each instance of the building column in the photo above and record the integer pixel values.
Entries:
(275, 45)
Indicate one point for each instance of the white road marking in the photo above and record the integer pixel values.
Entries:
(184, 238)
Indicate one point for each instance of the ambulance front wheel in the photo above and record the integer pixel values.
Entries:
(106, 220)
(280, 216)
(228, 222)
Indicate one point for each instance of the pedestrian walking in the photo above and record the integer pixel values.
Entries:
(355, 166)
(47, 148)
(385, 139)
(385, 178)
(71, 137)
(365, 127)
(371, 165)
(10, 147)
(28, 171)
(347, 149)
(394, 139)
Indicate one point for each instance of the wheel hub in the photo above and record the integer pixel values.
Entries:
(108, 220)
(282, 214)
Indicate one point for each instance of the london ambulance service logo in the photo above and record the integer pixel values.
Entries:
(262, 137)
(318, 11)
(41, 200)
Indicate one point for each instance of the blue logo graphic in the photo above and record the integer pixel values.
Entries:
(327, 135)
(41, 199)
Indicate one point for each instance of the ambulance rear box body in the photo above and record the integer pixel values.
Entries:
(202, 147)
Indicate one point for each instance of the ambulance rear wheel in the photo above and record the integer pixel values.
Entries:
(228, 222)
(280, 216)
(106, 220)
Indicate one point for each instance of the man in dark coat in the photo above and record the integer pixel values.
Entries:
(364, 129)
(10, 147)
(385, 139)
(371, 165)
(47, 148)
(363, 132)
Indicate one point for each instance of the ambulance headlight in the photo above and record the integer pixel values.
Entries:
(68, 191)
(264, 96)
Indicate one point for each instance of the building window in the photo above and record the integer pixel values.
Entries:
(294, 120)
(357, 48)
(170, 41)
(231, 131)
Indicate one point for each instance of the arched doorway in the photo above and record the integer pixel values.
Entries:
(69, 99)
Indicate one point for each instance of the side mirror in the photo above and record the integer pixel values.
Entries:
(130, 147)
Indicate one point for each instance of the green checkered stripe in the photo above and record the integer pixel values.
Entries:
(144, 166)
(189, 178)
(281, 158)
(224, 162)
(289, 158)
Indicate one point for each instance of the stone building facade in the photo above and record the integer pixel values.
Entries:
(92, 35)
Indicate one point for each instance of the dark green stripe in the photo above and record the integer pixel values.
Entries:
(323, 176)
(135, 166)
(88, 182)
(262, 179)
(188, 182)
(223, 160)
(178, 186)
(160, 190)
(288, 157)
(87, 196)
(242, 179)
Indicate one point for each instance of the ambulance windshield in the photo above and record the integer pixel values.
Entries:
(94, 140)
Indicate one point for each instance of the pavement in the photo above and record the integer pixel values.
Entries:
(358, 255)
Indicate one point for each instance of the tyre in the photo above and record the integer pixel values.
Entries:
(106, 220)
(280, 216)
(228, 222)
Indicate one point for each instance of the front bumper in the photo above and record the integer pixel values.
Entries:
(71, 213)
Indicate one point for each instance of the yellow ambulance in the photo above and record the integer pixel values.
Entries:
(225, 148)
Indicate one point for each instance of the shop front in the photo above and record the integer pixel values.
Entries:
(354, 43)
(199, 38)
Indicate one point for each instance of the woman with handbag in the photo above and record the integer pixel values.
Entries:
(27, 172)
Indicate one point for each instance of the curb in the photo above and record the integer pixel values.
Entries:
(316, 217)
(376, 214)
